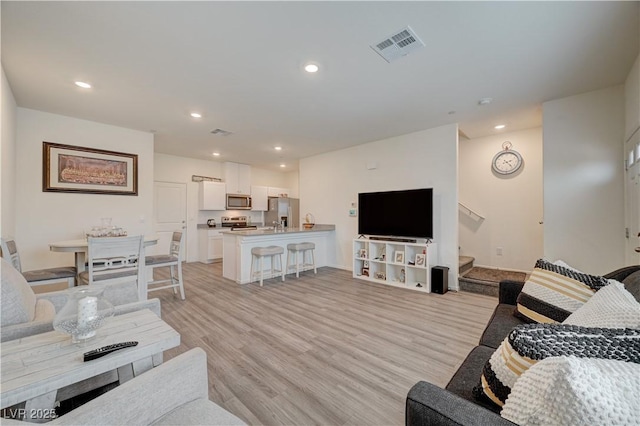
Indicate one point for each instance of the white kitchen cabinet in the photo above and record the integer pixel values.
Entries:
(213, 196)
(209, 245)
(259, 198)
(277, 192)
(238, 178)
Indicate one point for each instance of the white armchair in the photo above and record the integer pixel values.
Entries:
(25, 313)
(175, 393)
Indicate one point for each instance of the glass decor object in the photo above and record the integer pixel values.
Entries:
(309, 221)
(85, 312)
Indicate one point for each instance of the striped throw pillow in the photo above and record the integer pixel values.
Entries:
(529, 343)
(554, 292)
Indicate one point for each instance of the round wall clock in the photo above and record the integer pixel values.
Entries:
(506, 161)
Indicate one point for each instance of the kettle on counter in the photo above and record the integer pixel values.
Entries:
(211, 223)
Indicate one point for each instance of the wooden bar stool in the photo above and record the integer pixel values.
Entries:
(259, 253)
(303, 248)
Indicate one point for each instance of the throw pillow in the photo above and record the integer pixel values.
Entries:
(610, 307)
(632, 284)
(554, 292)
(18, 299)
(576, 391)
(529, 343)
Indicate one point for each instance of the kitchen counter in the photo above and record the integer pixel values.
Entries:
(205, 226)
(237, 245)
(271, 231)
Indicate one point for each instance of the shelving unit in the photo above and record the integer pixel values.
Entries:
(394, 263)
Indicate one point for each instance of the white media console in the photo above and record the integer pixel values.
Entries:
(392, 262)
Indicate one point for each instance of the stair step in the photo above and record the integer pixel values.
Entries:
(477, 286)
(465, 263)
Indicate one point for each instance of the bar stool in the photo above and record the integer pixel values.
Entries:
(259, 253)
(296, 248)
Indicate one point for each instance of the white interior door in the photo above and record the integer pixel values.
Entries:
(632, 198)
(170, 214)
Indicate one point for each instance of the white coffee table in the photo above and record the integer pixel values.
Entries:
(35, 367)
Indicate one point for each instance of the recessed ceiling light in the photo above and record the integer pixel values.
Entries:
(500, 126)
(311, 68)
(83, 85)
(196, 115)
(283, 165)
(278, 148)
(216, 154)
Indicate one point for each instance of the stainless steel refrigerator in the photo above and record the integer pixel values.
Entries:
(283, 209)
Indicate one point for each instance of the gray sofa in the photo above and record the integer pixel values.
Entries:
(428, 404)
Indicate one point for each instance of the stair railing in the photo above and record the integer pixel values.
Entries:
(471, 213)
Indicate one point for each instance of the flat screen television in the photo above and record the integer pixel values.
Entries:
(406, 213)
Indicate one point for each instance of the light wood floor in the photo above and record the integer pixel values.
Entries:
(320, 350)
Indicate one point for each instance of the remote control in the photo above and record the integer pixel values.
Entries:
(106, 350)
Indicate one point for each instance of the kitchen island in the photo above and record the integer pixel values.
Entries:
(237, 245)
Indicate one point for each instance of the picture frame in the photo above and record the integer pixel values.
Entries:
(365, 272)
(365, 264)
(362, 253)
(420, 259)
(398, 256)
(77, 169)
(380, 276)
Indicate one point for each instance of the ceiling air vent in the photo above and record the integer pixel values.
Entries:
(397, 45)
(220, 132)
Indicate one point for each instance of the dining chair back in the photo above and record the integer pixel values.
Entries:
(173, 261)
(9, 251)
(113, 259)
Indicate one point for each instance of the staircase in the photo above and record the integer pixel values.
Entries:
(465, 264)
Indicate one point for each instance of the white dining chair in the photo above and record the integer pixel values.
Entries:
(173, 261)
(113, 259)
(9, 251)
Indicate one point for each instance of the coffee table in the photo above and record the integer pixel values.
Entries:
(36, 367)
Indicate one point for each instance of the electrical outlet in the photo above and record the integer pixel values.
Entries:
(499, 251)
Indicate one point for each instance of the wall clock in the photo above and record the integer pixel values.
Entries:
(507, 161)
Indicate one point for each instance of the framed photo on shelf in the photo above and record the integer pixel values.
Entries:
(380, 275)
(398, 256)
(365, 272)
(420, 259)
(365, 264)
(362, 253)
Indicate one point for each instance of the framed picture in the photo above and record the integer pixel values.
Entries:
(365, 264)
(362, 253)
(420, 259)
(380, 276)
(68, 168)
(365, 272)
(398, 256)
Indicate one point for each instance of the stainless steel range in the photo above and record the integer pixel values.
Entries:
(237, 223)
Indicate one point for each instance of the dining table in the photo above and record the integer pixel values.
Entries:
(80, 248)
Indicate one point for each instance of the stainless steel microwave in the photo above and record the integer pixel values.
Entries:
(238, 202)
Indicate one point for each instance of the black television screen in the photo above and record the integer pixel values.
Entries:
(396, 213)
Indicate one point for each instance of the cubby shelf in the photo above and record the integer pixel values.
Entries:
(399, 264)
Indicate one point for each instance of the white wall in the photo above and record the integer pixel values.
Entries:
(171, 168)
(330, 182)
(512, 205)
(8, 112)
(583, 180)
(45, 217)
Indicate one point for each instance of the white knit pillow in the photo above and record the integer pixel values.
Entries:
(610, 307)
(576, 391)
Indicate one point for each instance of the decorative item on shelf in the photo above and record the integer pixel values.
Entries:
(420, 258)
(84, 313)
(402, 276)
(365, 272)
(380, 275)
(362, 253)
(309, 221)
(399, 256)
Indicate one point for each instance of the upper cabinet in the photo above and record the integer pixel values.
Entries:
(259, 198)
(278, 192)
(213, 196)
(238, 178)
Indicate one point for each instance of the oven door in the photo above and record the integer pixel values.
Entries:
(238, 202)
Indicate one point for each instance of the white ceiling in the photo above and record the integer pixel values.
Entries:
(240, 65)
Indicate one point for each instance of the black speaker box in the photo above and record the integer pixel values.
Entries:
(439, 279)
